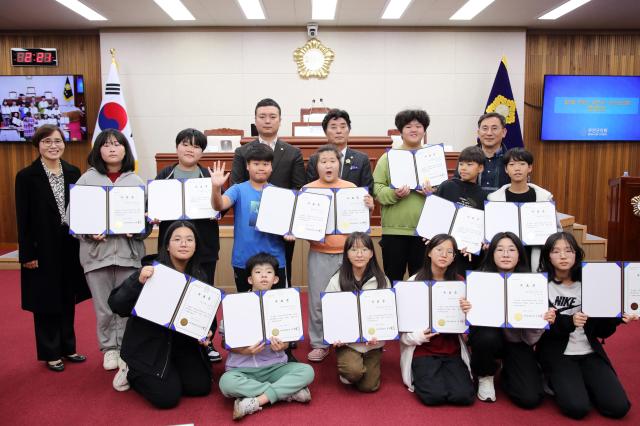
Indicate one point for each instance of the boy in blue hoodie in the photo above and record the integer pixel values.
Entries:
(260, 374)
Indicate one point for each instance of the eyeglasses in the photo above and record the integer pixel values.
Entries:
(359, 250)
(568, 252)
(49, 142)
(179, 241)
(447, 252)
(109, 144)
(507, 252)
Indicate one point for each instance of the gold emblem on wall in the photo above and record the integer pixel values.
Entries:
(635, 203)
(313, 59)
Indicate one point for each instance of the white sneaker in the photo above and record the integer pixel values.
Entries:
(303, 395)
(245, 406)
(344, 380)
(486, 390)
(121, 363)
(110, 361)
(120, 382)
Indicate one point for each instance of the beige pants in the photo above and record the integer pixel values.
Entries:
(361, 369)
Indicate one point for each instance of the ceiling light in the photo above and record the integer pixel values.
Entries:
(563, 9)
(395, 9)
(470, 9)
(175, 9)
(252, 9)
(82, 10)
(323, 9)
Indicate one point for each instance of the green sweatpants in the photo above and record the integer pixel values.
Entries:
(277, 381)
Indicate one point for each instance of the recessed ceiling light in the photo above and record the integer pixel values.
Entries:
(323, 9)
(82, 10)
(563, 9)
(395, 9)
(470, 9)
(175, 9)
(252, 9)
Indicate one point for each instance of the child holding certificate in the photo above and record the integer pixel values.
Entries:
(572, 356)
(521, 377)
(260, 374)
(245, 199)
(109, 259)
(359, 363)
(325, 257)
(436, 366)
(518, 163)
(190, 144)
(401, 207)
(163, 365)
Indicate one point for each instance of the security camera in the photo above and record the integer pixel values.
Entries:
(312, 29)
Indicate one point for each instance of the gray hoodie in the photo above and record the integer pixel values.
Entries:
(114, 250)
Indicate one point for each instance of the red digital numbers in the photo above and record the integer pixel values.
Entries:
(20, 56)
(34, 57)
(28, 57)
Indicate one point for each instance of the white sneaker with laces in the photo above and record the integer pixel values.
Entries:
(245, 406)
(110, 361)
(486, 390)
(303, 395)
(120, 382)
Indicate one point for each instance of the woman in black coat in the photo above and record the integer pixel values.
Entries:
(52, 279)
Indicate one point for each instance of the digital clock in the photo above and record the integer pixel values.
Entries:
(34, 57)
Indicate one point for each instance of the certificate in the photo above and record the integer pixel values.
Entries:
(412, 168)
(602, 289)
(351, 213)
(111, 210)
(465, 224)
(632, 288)
(174, 300)
(282, 314)
(126, 210)
(532, 222)
(260, 316)
(527, 300)
(486, 293)
(340, 317)
(413, 300)
(446, 314)
(331, 221)
(378, 315)
(173, 199)
(302, 214)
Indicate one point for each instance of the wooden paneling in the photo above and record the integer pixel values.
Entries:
(577, 173)
(78, 53)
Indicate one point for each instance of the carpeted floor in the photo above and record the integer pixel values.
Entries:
(82, 394)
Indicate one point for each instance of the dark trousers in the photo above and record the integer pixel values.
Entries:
(581, 380)
(439, 380)
(289, 247)
(186, 374)
(55, 336)
(521, 377)
(400, 252)
(242, 285)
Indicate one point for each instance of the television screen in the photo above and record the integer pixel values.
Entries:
(32, 101)
(591, 108)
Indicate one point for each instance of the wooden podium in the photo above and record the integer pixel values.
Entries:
(624, 226)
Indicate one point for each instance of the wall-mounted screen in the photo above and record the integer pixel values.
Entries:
(29, 102)
(591, 108)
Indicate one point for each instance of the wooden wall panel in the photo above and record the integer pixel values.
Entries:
(78, 53)
(577, 173)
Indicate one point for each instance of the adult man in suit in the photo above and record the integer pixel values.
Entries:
(355, 166)
(288, 166)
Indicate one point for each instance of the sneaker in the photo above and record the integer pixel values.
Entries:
(110, 361)
(318, 354)
(120, 382)
(214, 356)
(121, 364)
(344, 380)
(245, 406)
(486, 390)
(303, 395)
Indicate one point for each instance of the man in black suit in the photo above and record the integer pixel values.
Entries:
(355, 166)
(288, 166)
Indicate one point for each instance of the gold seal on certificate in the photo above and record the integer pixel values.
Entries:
(118, 225)
(184, 322)
(371, 331)
(517, 316)
(634, 306)
(441, 322)
(275, 332)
